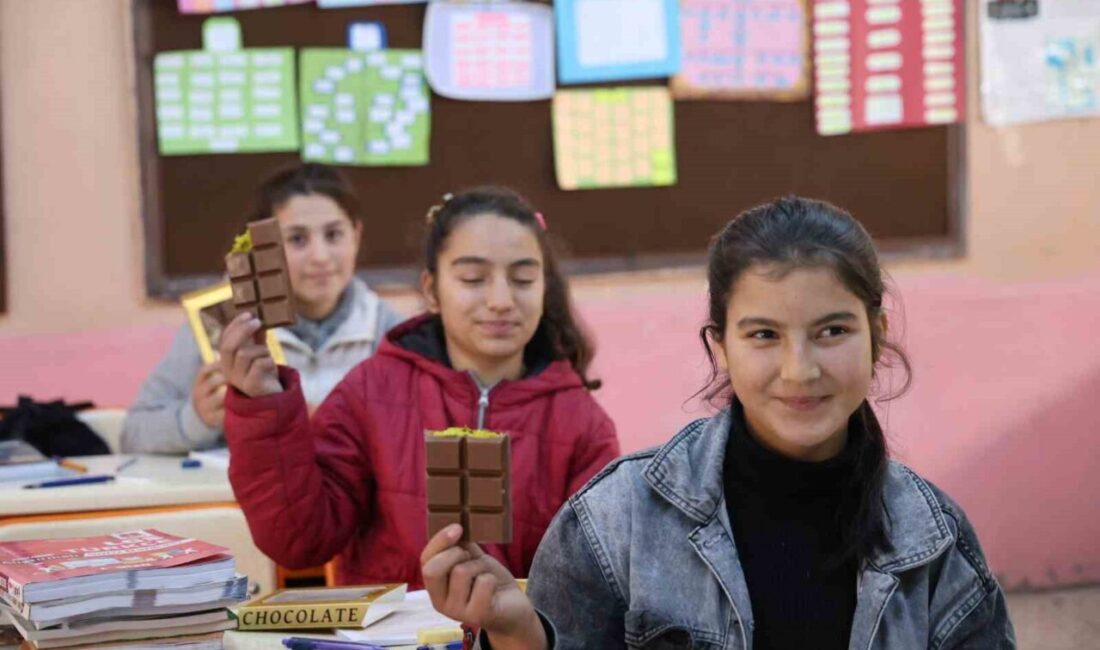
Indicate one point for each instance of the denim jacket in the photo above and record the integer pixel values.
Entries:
(644, 557)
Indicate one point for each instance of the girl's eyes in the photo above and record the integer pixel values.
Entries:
(834, 331)
(829, 332)
(475, 281)
(301, 239)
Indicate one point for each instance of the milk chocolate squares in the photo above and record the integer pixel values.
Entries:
(258, 275)
(469, 483)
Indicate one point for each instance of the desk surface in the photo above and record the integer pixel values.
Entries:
(237, 640)
(150, 481)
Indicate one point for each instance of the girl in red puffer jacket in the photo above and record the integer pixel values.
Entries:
(500, 349)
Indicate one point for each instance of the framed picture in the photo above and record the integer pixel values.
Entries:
(209, 310)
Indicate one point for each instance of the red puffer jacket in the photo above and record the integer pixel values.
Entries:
(352, 481)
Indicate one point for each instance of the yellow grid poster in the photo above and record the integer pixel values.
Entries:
(614, 137)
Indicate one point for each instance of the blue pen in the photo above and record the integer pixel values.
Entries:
(453, 645)
(77, 480)
(302, 643)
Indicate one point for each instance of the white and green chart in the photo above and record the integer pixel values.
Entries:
(225, 99)
(364, 108)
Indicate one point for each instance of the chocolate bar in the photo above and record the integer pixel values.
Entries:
(469, 483)
(258, 275)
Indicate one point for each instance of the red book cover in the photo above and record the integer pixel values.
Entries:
(33, 561)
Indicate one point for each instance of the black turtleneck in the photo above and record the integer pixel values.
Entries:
(784, 518)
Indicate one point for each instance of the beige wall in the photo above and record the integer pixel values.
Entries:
(1034, 196)
(74, 243)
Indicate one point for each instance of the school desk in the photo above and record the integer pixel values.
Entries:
(148, 492)
(237, 640)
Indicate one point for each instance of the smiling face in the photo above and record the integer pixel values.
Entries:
(797, 348)
(488, 289)
(321, 244)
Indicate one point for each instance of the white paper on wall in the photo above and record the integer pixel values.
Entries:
(1042, 67)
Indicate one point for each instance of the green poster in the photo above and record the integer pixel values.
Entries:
(364, 108)
(224, 99)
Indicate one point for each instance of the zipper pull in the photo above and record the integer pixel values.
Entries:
(482, 407)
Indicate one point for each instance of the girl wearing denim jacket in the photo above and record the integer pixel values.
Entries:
(778, 524)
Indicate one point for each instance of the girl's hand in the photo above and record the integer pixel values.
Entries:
(469, 586)
(208, 395)
(246, 361)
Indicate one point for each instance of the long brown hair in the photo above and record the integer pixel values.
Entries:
(558, 324)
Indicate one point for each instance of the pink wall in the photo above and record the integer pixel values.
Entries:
(1001, 412)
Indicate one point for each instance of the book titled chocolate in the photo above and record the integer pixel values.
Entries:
(321, 607)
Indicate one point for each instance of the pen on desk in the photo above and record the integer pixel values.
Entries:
(302, 643)
(68, 464)
(126, 464)
(78, 480)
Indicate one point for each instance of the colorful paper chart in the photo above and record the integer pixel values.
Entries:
(743, 49)
(224, 99)
(614, 137)
(887, 64)
(217, 6)
(502, 52)
(364, 108)
(606, 40)
(1040, 62)
(339, 4)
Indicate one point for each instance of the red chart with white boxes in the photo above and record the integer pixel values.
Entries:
(887, 64)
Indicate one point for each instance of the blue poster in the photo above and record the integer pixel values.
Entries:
(609, 40)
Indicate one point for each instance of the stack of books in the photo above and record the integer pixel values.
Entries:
(132, 590)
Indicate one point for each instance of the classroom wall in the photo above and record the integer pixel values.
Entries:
(1003, 339)
(69, 139)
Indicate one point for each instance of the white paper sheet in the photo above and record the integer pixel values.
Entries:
(400, 627)
(1044, 67)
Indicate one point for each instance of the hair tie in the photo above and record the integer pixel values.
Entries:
(541, 219)
(435, 209)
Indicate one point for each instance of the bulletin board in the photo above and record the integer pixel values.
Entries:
(905, 186)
